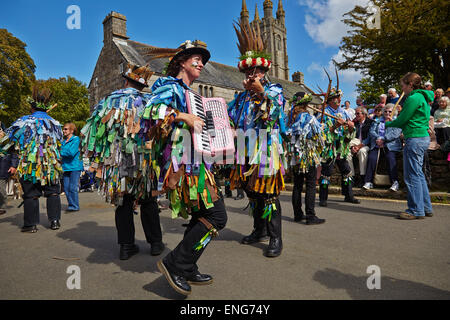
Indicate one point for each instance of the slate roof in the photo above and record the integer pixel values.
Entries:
(213, 73)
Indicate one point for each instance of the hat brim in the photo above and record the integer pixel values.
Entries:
(135, 81)
(191, 51)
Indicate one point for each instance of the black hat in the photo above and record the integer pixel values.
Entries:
(193, 47)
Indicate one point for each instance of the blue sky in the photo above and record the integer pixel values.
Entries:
(314, 31)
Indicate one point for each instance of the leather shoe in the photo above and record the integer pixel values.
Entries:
(30, 229)
(200, 279)
(323, 203)
(157, 248)
(55, 225)
(274, 248)
(178, 283)
(352, 200)
(127, 251)
(254, 237)
(314, 220)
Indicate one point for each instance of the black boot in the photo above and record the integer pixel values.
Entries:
(128, 250)
(228, 193)
(348, 192)
(55, 225)
(275, 247)
(323, 195)
(157, 248)
(313, 219)
(255, 236)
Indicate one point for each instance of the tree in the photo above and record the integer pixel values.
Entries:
(369, 91)
(16, 77)
(413, 37)
(71, 96)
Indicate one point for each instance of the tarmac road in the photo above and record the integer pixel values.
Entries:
(328, 261)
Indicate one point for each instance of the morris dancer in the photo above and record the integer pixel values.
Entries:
(37, 138)
(260, 168)
(191, 186)
(307, 142)
(115, 144)
(339, 133)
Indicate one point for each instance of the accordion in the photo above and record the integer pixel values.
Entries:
(216, 136)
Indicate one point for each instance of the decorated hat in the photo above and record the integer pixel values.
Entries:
(40, 98)
(301, 98)
(138, 74)
(186, 48)
(252, 47)
(334, 93)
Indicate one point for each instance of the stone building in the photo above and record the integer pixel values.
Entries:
(216, 79)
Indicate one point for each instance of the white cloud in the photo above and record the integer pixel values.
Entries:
(323, 19)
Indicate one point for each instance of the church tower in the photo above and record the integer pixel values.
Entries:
(273, 31)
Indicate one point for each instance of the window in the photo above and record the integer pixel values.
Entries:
(211, 92)
(121, 68)
(200, 89)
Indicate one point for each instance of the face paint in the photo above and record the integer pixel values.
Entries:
(194, 64)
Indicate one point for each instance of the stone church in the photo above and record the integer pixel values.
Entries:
(216, 79)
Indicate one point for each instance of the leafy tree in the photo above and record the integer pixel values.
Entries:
(413, 37)
(16, 77)
(369, 91)
(71, 96)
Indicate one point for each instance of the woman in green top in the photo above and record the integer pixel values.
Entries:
(413, 120)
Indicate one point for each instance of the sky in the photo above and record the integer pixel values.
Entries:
(314, 32)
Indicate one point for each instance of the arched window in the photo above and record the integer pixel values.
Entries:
(211, 92)
(278, 42)
(200, 89)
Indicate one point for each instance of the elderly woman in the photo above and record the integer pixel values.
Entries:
(439, 93)
(413, 121)
(386, 140)
(442, 120)
(72, 165)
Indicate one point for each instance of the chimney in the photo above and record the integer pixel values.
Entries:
(114, 26)
(298, 77)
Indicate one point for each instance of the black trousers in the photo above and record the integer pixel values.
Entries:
(263, 226)
(310, 195)
(32, 193)
(182, 260)
(327, 171)
(149, 218)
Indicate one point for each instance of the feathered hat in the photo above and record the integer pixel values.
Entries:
(301, 98)
(252, 47)
(40, 98)
(138, 74)
(186, 48)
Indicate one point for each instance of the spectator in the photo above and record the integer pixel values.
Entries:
(414, 122)
(392, 96)
(442, 121)
(435, 105)
(8, 165)
(447, 93)
(350, 111)
(72, 165)
(377, 113)
(386, 140)
(360, 102)
(383, 99)
(360, 145)
(428, 85)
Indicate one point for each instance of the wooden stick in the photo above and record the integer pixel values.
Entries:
(396, 104)
(53, 107)
(323, 112)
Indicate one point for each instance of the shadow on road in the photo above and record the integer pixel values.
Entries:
(391, 288)
(161, 287)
